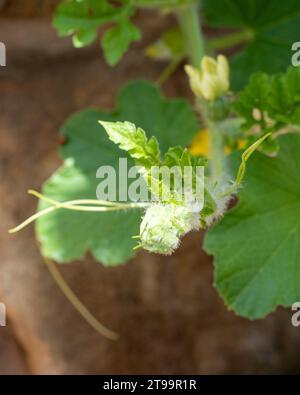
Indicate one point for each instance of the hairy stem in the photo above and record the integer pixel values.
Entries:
(189, 22)
(217, 160)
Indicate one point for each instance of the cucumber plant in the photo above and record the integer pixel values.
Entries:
(247, 106)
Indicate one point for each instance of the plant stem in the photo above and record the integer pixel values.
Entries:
(159, 3)
(189, 22)
(217, 151)
(169, 70)
(230, 40)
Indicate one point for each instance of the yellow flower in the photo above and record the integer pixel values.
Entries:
(201, 144)
(241, 143)
(211, 80)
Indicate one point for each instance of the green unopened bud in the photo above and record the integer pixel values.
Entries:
(218, 109)
(163, 225)
(211, 80)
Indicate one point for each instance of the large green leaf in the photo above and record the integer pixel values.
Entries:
(257, 245)
(172, 122)
(66, 235)
(273, 25)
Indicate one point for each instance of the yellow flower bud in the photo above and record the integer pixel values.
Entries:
(211, 80)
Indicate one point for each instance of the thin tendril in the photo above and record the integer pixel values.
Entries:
(242, 168)
(82, 201)
(71, 204)
(246, 155)
(76, 205)
(79, 205)
(32, 218)
(76, 303)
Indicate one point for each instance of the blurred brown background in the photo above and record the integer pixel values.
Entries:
(170, 318)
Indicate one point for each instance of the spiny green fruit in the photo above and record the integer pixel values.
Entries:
(164, 224)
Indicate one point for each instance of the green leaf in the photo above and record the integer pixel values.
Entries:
(272, 27)
(134, 140)
(116, 40)
(178, 156)
(270, 102)
(81, 19)
(256, 246)
(161, 3)
(172, 122)
(284, 102)
(254, 97)
(67, 235)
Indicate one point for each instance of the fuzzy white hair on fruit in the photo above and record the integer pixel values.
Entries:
(164, 224)
(222, 200)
